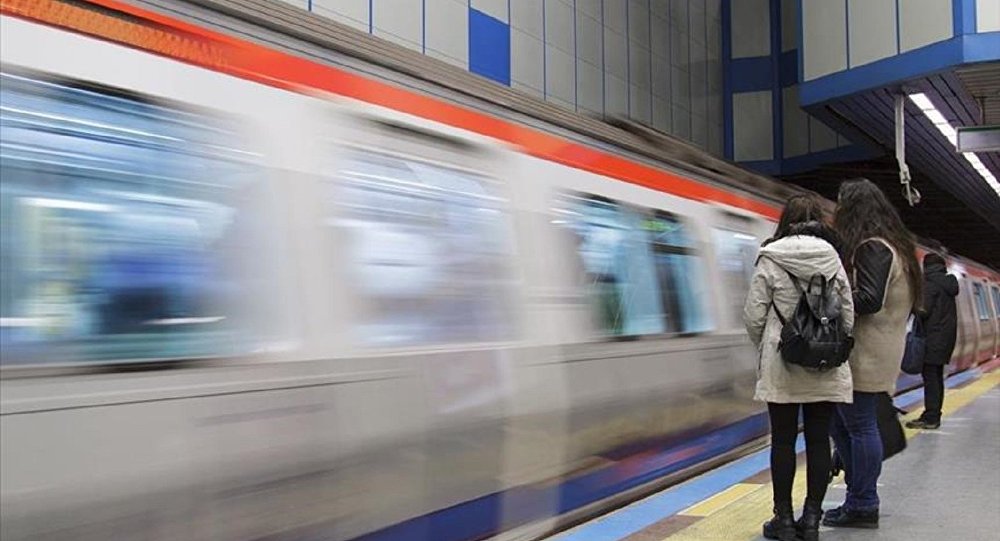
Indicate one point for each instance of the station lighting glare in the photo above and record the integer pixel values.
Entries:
(948, 131)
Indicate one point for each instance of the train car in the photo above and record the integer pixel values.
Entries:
(288, 291)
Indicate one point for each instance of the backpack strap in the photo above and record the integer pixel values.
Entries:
(778, 313)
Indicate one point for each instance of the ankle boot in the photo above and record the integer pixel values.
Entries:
(808, 525)
(782, 525)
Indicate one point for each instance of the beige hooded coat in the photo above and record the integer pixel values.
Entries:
(777, 381)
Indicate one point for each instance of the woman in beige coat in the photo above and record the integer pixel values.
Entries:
(803, 246)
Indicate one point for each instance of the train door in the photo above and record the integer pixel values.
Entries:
(984, 321)
(967, 318)
(995, 297)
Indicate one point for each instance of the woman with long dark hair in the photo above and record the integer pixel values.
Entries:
(801, 248)
(880, 256)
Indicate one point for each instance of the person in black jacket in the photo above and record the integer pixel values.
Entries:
(940, 320)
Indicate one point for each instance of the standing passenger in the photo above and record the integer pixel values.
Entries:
(940, 320)
(881, 258)
(802, 247)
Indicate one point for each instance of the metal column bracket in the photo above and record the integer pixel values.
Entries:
(911, 194)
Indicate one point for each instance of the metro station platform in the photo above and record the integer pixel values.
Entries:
(945, 485)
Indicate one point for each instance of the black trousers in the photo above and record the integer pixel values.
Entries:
(933, 392)
(784, 430)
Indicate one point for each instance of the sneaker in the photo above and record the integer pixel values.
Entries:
(848, 518)
(920, 424)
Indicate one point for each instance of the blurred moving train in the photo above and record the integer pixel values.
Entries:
(247, 295)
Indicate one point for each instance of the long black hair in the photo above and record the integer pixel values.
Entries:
(803, 215)
(864, 212)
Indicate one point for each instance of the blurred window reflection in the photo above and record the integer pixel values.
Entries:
(736, 252)
(680, 274)
(643, 274)
(430, 249)
(118, 226)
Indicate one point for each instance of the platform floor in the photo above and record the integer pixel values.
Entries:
(945, 486)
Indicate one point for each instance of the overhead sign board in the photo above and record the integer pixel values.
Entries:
(978, 139)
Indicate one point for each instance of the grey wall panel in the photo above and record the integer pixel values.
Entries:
(559, 25)
(638, 22)
(615, 95)
(752, 133)
(615, 18)
(588, 7)
(660, 8)
(699, 130)
(680, 87)
(640, 103)
(795, 124)
(825, 35)
(751, 24)
(526, 15)
(922, 22)
(447, 31)
(639, 66)
(353, 13)
(872, 30)
(821, 137)
(399, 21)
(987, 15)
(661, 77)
(696, 23)
(659, 38)
(527, 62)
(661, 113)
(680, 44)
(680, 121)
(589, 87)
(789, 25)
(679, 14)
(560, 75)
(615, 53)
(589, 45)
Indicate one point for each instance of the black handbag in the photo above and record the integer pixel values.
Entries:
(916, 347)
(889, 428)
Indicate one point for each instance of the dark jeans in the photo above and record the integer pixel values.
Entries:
(933, 392)
(784, 429)
(856, 435)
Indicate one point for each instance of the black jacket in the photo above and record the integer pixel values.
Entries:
(940, 318)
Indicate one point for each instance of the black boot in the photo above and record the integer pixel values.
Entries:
(808, 526)
(845, 518)
(782, 525)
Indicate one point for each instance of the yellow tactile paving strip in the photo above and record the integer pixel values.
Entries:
(720, 500)
(736, 514)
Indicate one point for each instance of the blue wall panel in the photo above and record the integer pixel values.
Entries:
(489, 47)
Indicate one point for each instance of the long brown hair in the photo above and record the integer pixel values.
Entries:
(864, 212)
(803, 215)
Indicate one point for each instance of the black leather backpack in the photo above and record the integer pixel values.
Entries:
(814, 336)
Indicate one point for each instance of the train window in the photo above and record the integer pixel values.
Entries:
(679, 272)
(735, 253)
(430, 248)
(618, 262)
(981, 307)
(120, 220)
(643, 275)
(996, 302)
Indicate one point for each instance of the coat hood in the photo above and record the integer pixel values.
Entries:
(804, 256)
(937, 274)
